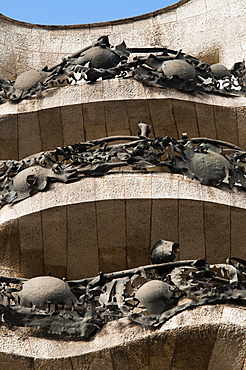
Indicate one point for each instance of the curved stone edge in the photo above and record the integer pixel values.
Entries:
(210, 326)
(124, 186)
(85, 112)
(113, 90)
(97, 24)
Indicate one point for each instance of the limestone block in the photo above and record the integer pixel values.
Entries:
(237, 232)
(217, 232)
(229, 348)
(10, 245)
(161, 188)
(94, 120)
(137, 186)
(206, 121)
(94, 361)
(8, 134)
(184, 114)
(192, 244)
(111, 244)
(29, 134)
(51, 128)
(194, 354)
(116, 117)
(161, 351)
(8, 361)
(138, 218)
(226, 132)
(131, 356)
(72, 124)
(82, 243)
(137, 112)
(54, 235)
(162, 118)
(241, 117)
(71, 93)
(191, 8)
(52, 364)
(31, 245)
(164, 223)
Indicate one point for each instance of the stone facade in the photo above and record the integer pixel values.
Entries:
(110, 223)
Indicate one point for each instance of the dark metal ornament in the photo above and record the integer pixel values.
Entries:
(205, 159)
(99, 57)
(80, 307)
(29, 180)
(164, 251)
(164, 68)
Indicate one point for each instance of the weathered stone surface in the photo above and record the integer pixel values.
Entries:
(206, 221)
(125, 215)
(203, 338)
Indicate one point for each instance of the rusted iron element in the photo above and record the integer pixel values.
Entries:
(207, 160)
(147, 295)
(155, 66)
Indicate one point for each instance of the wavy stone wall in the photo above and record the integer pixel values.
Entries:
(202, 339)
(76, 113)
(110, 223)
(82, 112)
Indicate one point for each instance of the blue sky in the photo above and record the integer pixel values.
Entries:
(77, 11)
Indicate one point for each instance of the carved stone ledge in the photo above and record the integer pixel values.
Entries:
(212, 328)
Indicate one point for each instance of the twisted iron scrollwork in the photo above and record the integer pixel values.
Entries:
(157, 66)
(209, 161)
(147, 295)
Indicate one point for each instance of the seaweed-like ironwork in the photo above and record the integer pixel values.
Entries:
(148, 295)
(156, 66)
(209, 161)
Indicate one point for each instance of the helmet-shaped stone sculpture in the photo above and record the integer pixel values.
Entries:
(44, 290)
(30, 79)
(180, 68)
(100, 55)
(219, 71)
(154, 295)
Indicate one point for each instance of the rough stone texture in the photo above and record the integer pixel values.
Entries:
(53, 122)
(206, 337)
(110, 223)
(115, 106)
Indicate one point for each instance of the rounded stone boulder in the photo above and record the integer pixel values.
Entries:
(44, 290)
